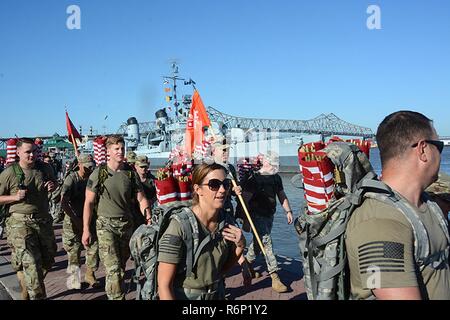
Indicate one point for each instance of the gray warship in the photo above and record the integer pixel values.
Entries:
(247, 137)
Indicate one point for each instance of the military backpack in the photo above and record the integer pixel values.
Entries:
(144, 245)
(322, 235)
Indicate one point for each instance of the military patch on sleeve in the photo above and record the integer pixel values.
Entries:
(90, 183)
(386, 256)
(170, 244)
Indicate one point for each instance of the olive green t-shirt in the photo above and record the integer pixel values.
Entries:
(210, 262)
(36, 200)
(74, 189)
(380, 239)
(116, 200)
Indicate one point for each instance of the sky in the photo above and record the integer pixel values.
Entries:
(289, 59)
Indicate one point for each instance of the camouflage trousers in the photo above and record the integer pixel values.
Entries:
(33, 249)
(263, 226)
(113, 243)
(73, 246)
(56, 210)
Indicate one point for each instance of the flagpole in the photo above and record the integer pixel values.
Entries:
(74, 143)
(234, 184)
(233, 181)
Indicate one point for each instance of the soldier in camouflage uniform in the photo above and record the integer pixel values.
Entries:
(266, 185)
(72, 201)
(114, 187)
(29, 224)
(54, 198)
(148, 184)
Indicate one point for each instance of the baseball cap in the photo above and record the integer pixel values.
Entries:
(86, 161)
(131, 157)
(141, 161)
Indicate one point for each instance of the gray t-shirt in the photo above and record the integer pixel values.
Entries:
(36, 200)
(380, 237)
(117, 199)
(210, 262)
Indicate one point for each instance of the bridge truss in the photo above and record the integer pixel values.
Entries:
(324, 124)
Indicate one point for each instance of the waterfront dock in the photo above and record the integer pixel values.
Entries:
(55, 281)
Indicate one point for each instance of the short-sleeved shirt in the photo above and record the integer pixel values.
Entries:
(210, 262)
(116, 201)
(380, 239)
(74, 189)
(265, 188)
(36, 200)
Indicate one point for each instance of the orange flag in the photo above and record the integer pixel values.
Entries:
(71, 130)
(197, 121)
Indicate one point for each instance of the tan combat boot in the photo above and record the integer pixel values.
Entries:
(277, 285)
(89, 277)
(23, 286)
(73, 281)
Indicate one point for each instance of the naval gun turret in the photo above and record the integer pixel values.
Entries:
(161, 119)
(133, 138)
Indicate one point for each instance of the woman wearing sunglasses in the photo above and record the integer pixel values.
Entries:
(210, 188)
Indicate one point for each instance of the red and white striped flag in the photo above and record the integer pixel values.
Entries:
(100, 150)
(318, 181)
(11, 151)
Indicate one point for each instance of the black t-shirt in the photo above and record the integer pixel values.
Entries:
(264, 190)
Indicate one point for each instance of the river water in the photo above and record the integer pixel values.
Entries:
(285, 240)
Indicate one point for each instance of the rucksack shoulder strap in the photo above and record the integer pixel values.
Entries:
(102, 176)
(20, 175)
(189, 225)
(223, 221)
(421, 243)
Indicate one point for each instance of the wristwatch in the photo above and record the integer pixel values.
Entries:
(288, 211)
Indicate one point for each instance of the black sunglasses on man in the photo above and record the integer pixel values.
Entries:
(437, 143)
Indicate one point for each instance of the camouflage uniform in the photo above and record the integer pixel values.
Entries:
(206, 281)
(115, 224)
(29, 228)
(263, 226)
(72, 245)
(114, 236)
(55, 208)
(74, 189)
(263, 188)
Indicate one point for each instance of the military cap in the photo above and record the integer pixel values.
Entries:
(131, 157)
(441, 187)
(141, 161)
(86, 161)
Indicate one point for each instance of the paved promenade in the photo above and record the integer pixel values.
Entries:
(55, 281)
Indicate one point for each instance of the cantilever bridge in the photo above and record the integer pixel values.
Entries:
(325, 124)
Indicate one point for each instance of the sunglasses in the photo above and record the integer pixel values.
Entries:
(214, 184)
(438, 144)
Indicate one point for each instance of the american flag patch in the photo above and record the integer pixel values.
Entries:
(385, 255)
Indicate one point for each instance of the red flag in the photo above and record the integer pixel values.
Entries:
(198, 119)
(71, 130)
